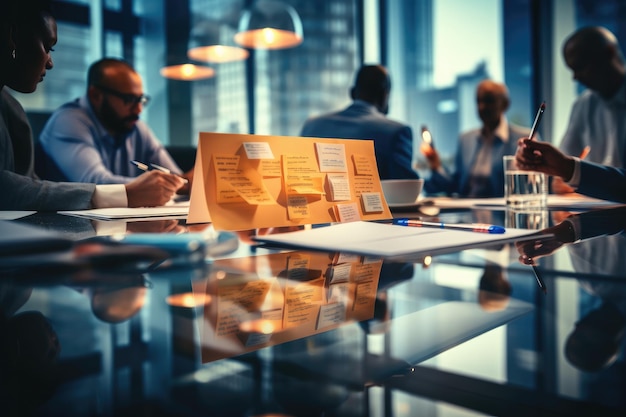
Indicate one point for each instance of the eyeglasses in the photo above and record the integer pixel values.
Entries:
(128, 99)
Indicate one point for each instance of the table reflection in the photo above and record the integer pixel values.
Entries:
(284, 296)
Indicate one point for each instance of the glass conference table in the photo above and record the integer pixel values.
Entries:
(246, 330)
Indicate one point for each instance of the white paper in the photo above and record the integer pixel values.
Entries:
(372, 202)
(258, 150)
(348, 212)
(341, 273)
(339, 187)
(14, 215)
(387, 240)
(131, 213)
(332, 157)
(331, 315)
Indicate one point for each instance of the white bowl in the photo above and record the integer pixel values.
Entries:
(401, 192)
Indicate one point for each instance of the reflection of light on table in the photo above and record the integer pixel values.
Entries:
(273, 415)
(261, 326)
(188, 300)
(427, 261)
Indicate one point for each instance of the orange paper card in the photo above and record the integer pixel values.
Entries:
(252, 181)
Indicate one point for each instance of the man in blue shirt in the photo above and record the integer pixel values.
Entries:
(95, 138)
(366, 118)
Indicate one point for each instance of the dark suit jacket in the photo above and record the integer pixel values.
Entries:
(601, 181)
(468, 147)
(393, 141)
(21, 190)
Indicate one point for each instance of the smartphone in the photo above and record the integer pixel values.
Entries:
(427, 137)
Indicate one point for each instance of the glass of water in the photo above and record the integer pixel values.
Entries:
(524, 189)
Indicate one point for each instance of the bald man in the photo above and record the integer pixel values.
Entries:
(478, 163)
(366, 118)
(598, 117)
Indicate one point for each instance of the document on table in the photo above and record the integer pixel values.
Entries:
(14, 215)
(179, 210)
(378, 239)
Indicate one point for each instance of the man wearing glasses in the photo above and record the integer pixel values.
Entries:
(94, 138)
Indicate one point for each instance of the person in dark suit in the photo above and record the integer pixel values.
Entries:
(28, 32)
(366, 118)
(589, 178)
(478, 170)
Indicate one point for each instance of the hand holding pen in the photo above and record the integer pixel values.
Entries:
(146, 167)
(537, 156)
(153, 188)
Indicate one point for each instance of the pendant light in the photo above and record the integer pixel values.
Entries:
(269, 24)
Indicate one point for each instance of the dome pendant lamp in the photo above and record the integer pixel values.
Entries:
(269, 24)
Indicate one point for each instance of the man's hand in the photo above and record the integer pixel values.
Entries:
(543, 157)
(152, 188)
(557, 236)
(186, 189)
(432, 156)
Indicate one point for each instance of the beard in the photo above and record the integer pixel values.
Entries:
(113, 122)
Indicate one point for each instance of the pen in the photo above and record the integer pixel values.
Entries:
(167, 171)
(160, 168)
(145, 167)
(474, 227)
(538, 117)
(140, 165)
(542, 284)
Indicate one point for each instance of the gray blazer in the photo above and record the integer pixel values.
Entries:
(468, 147)
(393, 141)
(21, 189)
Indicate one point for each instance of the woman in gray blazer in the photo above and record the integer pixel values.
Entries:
(28, 32)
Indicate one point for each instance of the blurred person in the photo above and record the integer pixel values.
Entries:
(94, 138)
(119, 301)
(592, 179)
(366, 118)
(598, 117)
(28, 33)
(478, 170)
(494, 288)
(29, 352)
(596, 340)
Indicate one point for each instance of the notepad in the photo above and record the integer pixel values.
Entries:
(387, 240)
